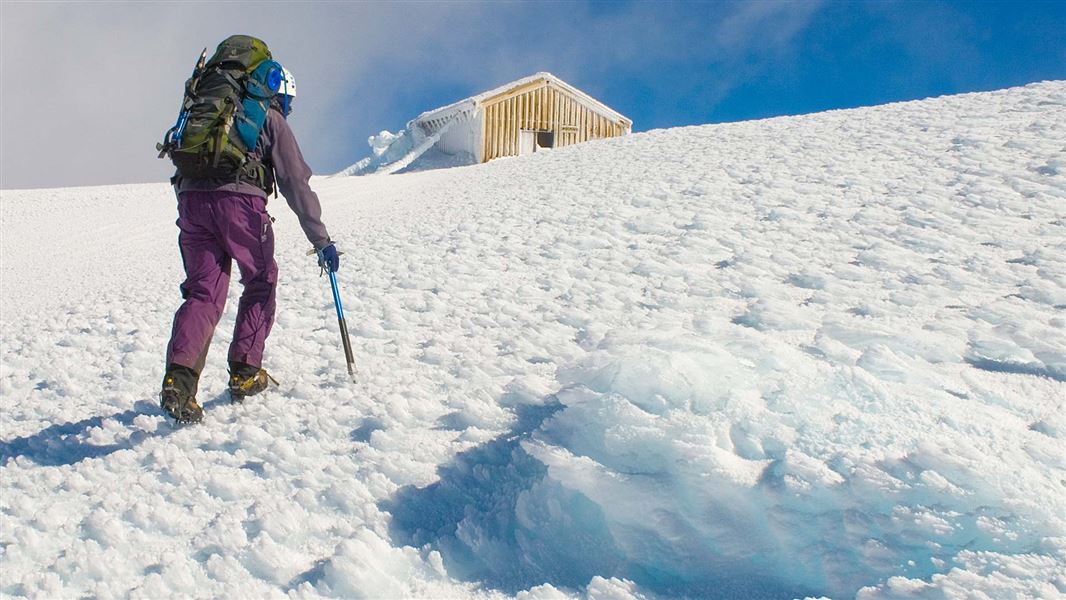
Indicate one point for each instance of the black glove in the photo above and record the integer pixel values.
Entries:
(329, 259)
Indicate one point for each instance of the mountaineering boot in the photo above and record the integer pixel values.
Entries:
(246, 380)
(178, 396)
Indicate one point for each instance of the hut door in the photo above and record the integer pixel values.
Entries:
(527, 142)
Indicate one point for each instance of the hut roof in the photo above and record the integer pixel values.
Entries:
(474, 102)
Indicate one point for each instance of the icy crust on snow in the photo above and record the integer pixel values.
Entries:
(818, 478)
(820, 356)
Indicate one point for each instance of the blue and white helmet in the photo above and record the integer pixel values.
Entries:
(288, 84)
(286, 91)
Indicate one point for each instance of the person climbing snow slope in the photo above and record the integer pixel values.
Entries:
(222, 186)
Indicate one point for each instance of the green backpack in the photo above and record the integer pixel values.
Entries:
(225, 105)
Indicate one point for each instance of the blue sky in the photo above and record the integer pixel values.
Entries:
(103, 80)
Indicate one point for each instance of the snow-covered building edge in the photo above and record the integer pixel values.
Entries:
(529, 114)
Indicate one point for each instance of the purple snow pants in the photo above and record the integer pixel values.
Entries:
(217, 228)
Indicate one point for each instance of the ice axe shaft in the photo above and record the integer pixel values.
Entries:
(343, 325)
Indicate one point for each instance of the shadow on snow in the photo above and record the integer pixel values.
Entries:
(1002, 366)
(498, 520)
(66, 443)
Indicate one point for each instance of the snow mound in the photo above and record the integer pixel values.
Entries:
(818, 356)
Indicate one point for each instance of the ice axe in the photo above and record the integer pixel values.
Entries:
(172, 138)
(340, 320)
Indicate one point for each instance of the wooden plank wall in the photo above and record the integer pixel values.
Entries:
(542, 108)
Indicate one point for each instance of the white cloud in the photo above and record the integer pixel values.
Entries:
(88, 89)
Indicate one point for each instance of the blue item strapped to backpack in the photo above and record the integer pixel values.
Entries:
(262, 85)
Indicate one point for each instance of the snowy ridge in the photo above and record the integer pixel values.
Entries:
(809, 356)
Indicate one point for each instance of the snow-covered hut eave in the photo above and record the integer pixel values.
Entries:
(464, 105)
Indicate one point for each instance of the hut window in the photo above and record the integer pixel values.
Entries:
(545, 139)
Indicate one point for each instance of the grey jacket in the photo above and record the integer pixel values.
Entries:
(277, 150)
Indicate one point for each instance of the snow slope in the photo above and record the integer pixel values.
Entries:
(809, 356)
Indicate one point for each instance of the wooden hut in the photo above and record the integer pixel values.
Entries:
(533, 113)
